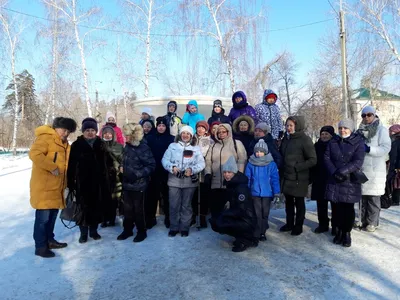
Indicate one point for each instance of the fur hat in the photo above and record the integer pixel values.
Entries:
(135, 131)
(328, 129)
(109, 114)
(230, 165)
(347, 123)
(187, 129)
(65, 123)
(203, 124)
(264, 127)
(89, 123)
(261, 146)
(369, 110)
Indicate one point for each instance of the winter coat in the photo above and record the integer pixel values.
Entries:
(47, 153)
(183, 156)
(204, 142)
(118, 133)
(240, 219)
(245, 137)
(299, 157)
(218, 117)
(242, 108)
(138, 163)
(116, 151)
(191, 119)
(344, 156)
(394, 155)
(273, 149)
(270, 114)
(319, 173)
(173, 121)
(374, 166)
(88, 175)
(263, 180)
(220, 152)
(158, 144)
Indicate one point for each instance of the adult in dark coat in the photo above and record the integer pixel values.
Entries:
(115, 150)
(394, 160)
(263, 131)
(218, 114)
(240, 220)
(344, 155)
(299, 157)
(88, 174)
(243, 130)
(319, 178)
(138, 165)
(149, 128)
(158, 188)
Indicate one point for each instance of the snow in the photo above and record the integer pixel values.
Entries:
(201, 266)
(10, 163)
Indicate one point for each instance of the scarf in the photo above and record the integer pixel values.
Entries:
(261, 161)
(368, 131)
(90, 141)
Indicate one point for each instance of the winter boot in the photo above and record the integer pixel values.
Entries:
(172, 233)
(94, 235)
(44, 252)
(203, 222)
(370, 228)
(124, 235)
(140, 237)
(263, 238)
(285, 228)
(297, 230)
(346, 239)
(239, 247)
(56, 245)
(184, 233)
(83, 238)
(338, 239)
(321, 229)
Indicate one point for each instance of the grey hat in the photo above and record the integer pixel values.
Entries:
(347, 123)
(264, 127)
(261, 146)
(230, 165)
(369, 110)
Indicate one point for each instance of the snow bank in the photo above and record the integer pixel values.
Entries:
(10, 163)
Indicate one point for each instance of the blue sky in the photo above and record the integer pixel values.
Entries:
(303, 41)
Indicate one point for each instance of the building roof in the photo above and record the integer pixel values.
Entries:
(365, 94)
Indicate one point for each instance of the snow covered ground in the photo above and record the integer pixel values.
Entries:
(201, 266)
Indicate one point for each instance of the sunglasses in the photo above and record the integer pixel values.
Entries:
(369, 115)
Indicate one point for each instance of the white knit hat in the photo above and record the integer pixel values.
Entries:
(187, 129)
(146, 110)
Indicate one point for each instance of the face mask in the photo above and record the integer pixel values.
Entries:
(107, 140)
(345, 136)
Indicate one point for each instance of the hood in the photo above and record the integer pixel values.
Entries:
(299, 121)
(112, 129)
(135, 131)
(214, 114)
(172, 102)
(246, 118)
(269, 92)
(153, 127)
(192, 102)
(45, 129)
(228, 128)
(242, 103)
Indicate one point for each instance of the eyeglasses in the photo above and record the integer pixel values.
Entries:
(369, 115)
(222, 131)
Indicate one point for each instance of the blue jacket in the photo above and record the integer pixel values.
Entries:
(263, 180)
(191, 119)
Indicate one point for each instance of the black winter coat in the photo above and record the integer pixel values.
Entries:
(138, 164)
(240, 219)
(299, 157)
(344, 156)
(218, 118)
(319, 173)
(394, 155)
(273, 149)
(158, 144)
(88, 175)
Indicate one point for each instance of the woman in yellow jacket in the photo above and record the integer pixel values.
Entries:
(49, 154)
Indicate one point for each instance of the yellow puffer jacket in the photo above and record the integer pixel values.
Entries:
(48, 152)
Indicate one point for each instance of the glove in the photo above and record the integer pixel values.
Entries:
(55, 172)
(207, 179)
(367, 148)
(277, 199)
(339, 178)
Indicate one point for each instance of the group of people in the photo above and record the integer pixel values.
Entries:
(232, 166)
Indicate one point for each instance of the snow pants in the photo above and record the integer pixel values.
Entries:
(180, 208)
(370, 210)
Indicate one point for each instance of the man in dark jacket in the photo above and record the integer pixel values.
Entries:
(263, 131)
(138, 165)
(218, 114)
(240, 219)
(158, 188)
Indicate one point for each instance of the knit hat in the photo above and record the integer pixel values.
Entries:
(230, 165)
(394, 129)
(89, 123)
(109, 114)
(146, 110)
(106, 129)
(203, 124)
(264, 127)
(161, 120)
(187, 129)
(328, 129)
(217, 103)
(347, 123)
(261, 146)
(213, 124)
(369, 109)
(64, 123)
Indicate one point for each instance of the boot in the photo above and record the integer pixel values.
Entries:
(141, 236)
(338, 239)
(83, 238)
(44, 252)
(239, 247)
(285, 228)
(203, 222)
(172, 233)
(184, 233)
(151, 223)
(263, 238)
(297, 230)
(321, 229)
(94, 235)
(124, 235)
(346, 239)
(56, 245)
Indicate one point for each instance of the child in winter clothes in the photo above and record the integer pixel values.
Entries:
(173, 121)
(241, 107)
(192, 115)
(111, 121)
(239, 220)
(268, 112)
(218, 113)
(264, 185)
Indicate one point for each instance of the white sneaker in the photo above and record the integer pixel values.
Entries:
(370, 228)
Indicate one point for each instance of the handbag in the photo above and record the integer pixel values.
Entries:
(72, 211)
(358, 177)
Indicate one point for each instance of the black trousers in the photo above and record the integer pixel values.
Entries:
(322, 209)
(346, 216)
(111, 211)
(396, 196)
(217, 202)
(134, 211)
(157, 193)
(204, 199)
(88, 229)
(300, 212)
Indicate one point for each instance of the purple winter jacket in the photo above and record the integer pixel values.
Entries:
(241, 108)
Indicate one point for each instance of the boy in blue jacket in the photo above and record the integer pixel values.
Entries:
(192, 115)
(264, 185)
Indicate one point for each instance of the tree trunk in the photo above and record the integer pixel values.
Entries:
(55, 64)
(16, 105)
(148, 50)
